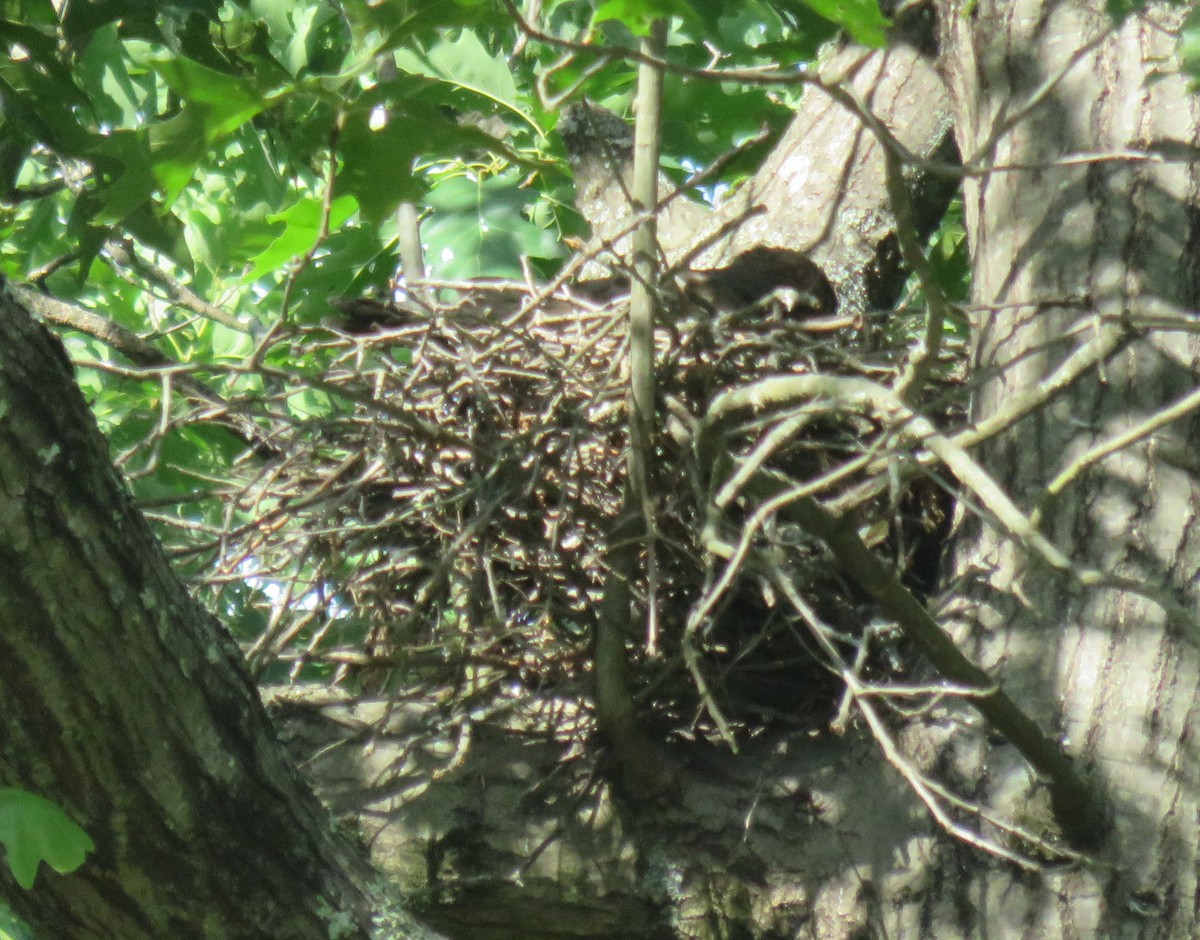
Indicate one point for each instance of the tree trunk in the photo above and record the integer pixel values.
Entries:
(1069, 253)
(129, 706)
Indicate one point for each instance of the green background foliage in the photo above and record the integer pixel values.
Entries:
(254, 154)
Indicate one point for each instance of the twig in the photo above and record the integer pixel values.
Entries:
(276, 328)
(925, 790)
(1183, 407)
(147, 357)
(924, 356)
(1075, 804)
(843, 393)
(177, 292)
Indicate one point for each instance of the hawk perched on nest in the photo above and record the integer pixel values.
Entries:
(788, 280)
(600, 146)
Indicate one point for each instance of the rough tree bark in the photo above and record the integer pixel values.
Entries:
(1068, 254)
(130, 707)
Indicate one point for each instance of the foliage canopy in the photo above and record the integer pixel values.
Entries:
(210, 175)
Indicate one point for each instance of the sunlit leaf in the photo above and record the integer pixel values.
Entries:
(178, 146)
(118, 98)
(43, 104)
(11, 928)
(302, 224)
(1188, 48)
(124, 158)
(479, 228)
(34, 830)
(465, 63)
(378, 167)
(352, 263)
(224, 102)
(638, 14)
(862, 19)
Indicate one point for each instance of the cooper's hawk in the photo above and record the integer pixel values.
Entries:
(600, 146)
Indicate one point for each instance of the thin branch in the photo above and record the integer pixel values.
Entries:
(412, 255)
(1112, 335)
(929, 793)
(833, 86)
(924, 356)
(177, 292)
(1183, 407)
(642, 303)
(1076, 807)
(844, 393)
(980, 160)
(150, 360)
(277, 326)
(335, 134)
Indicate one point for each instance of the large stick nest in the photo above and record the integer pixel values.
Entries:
(451, 520)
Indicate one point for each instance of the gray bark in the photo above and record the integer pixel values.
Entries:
(822, 191)
(128, 706)
(1062, 253)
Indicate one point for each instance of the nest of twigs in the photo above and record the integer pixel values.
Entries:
(448, 524)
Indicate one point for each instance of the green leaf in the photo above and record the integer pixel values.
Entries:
(178, 146)
(353, 263)
(11, 928)
(638, 14)
(44, 102)
(123, 161)
(136, 17)
(479, 228)
(38, 44)
(302, 229)
(159, 230)
(401, 23)
(378, 162)
(118, 97)
(305, 22)
(226, 102)
(862, 19)
(88, 238)
(34, 830)
(1120, 10)
(309, 403)
(1188, 48)
(465, 63)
